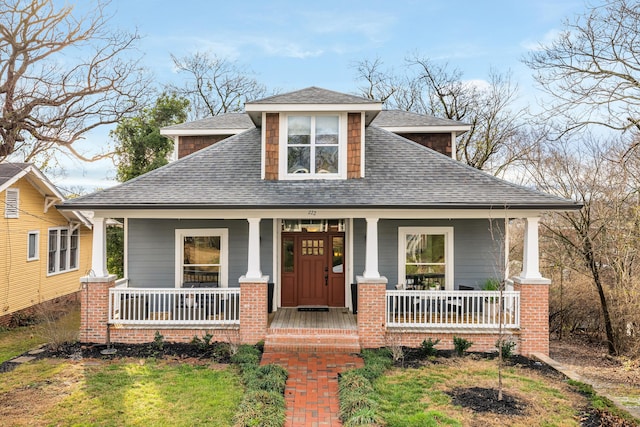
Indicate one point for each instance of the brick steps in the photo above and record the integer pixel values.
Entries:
(312, 340)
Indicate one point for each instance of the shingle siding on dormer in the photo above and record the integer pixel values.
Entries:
(191, 144)
(440, 142)
(271, 135)
(355, 144)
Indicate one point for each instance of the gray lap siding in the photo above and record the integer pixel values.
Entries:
(151, 252)
(151, 249)
(475, 258)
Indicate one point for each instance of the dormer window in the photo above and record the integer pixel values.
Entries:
(313, 146)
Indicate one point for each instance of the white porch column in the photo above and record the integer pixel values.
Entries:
(530, 256)
(371, 252)
(253, 264)
(99, 247)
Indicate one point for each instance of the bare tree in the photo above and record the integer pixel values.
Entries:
(378, 84)
(601, 238)
(61, 75)
(215, 85)
(592, 69)
(495, 140)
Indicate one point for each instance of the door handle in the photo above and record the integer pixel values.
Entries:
(326, 276)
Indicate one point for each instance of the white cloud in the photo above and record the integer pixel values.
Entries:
(538, 45)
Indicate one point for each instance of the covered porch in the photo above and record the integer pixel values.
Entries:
(384, 309)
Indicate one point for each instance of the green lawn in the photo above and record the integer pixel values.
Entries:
(419, 397)
(15, 341)
(120, 393)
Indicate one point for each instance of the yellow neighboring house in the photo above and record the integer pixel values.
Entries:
(43, 251)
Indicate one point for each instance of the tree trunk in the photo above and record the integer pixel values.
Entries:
(595, 272)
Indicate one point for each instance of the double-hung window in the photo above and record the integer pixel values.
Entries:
(425, 257)
(201, 257)
(313, 146)
(62, 250)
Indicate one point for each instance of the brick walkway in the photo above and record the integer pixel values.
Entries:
(312, 387)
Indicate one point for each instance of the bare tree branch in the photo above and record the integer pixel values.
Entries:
(50, 95)
(592, 69)
(215, 85)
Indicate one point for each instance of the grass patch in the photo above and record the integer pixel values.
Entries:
(15, 341)
(150, 393)
(420, 397)
(602, 404)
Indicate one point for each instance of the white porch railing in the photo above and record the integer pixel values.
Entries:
(452, 309)
(162, 306)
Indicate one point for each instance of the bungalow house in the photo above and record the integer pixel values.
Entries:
(317, 220)
(43, 251)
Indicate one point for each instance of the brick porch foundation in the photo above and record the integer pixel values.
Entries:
(371, 312)
(94, 308)
(254, 318)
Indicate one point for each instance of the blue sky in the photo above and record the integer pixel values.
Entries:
(290, 45)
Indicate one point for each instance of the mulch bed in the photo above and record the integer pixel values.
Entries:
(218, 352)
(481, 399)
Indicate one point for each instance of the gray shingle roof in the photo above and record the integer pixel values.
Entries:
(223, 121)
(399, 118)
(399, 174)
(9, 170)
(314, 95)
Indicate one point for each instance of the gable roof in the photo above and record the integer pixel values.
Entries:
(10, 173)
(223, 124)
(314, 95)
(398, 174)
(399, 121)
(312, 99)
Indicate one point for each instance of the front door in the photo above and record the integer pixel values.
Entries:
(313, 269)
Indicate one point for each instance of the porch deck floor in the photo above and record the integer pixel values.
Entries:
(335, 318)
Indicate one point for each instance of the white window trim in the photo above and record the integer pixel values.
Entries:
(342, 147)
(37, 248)
(9, 213)
(223, 233)
(68, 260)
(448, 248)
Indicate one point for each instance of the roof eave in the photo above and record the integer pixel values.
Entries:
(198, 132)
(443, 206)
(255, 111)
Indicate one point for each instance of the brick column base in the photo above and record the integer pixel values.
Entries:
(94, 306)
(253, 310)
(371, 311)
(534, 315)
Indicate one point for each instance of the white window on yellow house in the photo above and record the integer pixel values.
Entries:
(63, 250)
(11, 203)
(33, 246)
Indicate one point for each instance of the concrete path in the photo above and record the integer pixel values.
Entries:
(312, 387)
(631, 405)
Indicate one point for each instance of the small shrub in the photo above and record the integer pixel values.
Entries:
(354, 401)
(379, 357)
(268, 378)
(505, 347)
(246, 355)
(261, 408)
(202, 343)
(428, 347)
(57, 323)
(364, 417)
(354, 380)
(158, 341)
(461, 345)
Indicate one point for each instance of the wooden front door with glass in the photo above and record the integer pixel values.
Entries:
(313, 269)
